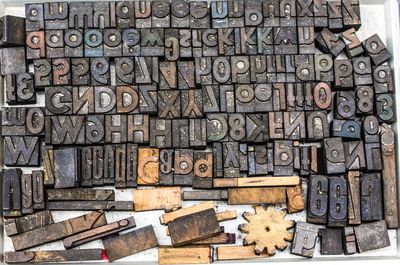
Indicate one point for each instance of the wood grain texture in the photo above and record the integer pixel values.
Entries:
(196, 226)
(165, 198)
(53, 256)
(185, 255)
(353, 193)
(257, 195)
(168, 217)
(227, 215)
(148, 166)
(81, 194)
(223, 238)
(295, 201)
(238, 253)
(267, 229)
(56, 231)
(256, 182)
(130, 243)
(389, 177)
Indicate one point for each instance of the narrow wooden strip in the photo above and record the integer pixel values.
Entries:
(99, 232)
(205, 195)
(257, 195)
(90, 205)
(165, 198)
(53, 256)
(185, 255)
(168, 217)
(223, 238)
(225, 216)
(81, 194)
(256, 182)
(238, 252)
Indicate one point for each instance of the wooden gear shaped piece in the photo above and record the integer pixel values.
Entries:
(267, 229)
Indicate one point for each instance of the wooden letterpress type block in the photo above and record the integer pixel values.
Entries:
(305, 239)
(160, 133)
(348, 129)
(112, 42)
(184, 229)
(337, 214)
(231, 159)
(11, 191)
(54, 43)
(166, 167)
(283, 158)
(142, 14)
(354, 154)
(317, 125)
(148, 166)
(125, 14)
(66, 167)
(26, 194)
(335, 156)
(80, 71)
(183, 167)
(130, 41)
(353, 197)
(219, 14)
(131, 165)
(217, 127)
(180, 14)
(371, 197)
(21, 151)
(328, 42)
(100, 71)
(115, 128)
(94, 129)
(331, 241)
(197, 133)
(385, 108)
(353, 43)
(138, 128)
(376, 49)
(389, 176)
(318, 191)
(199, 15)
(383, 81)
(345, 105)
(202, 169)
(295, 125)
(373, 156)
(349, 238)
(372, 232)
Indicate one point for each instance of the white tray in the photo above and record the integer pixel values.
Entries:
(378, 16)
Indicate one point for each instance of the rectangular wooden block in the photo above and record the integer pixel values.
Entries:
(238, 252)
(130, 243)
(196, 226)
(256, 182)
(257, 195)
(168, 217)
(185, 255)
(80, 194)
(77, 255)
(165, 198)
